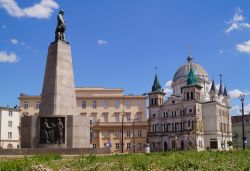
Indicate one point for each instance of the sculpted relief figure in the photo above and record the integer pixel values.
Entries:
(61, 27)
(46, 132)
(60, 131)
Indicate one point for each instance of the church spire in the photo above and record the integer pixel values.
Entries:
(213, 89)
(221, 86)
(191, 76)
(225, 91)
(156, 86)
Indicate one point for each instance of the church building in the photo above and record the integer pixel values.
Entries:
(195, 116)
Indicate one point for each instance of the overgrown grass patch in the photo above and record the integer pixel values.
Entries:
(174, 160)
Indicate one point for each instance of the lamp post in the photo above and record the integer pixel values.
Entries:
(242, 99)
(123, 124)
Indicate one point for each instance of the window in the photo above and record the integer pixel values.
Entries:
(190, 110)
(10, 135)
(10, 146)
(94, 146)
(117, 104)
(117, 146)
(10, 113)
(192, 95)
(139, 133)
(93, 117)
(128, 117)
(105, 104)
(93, 134)
(138, 117)
(105, 134)
(187, 96)
(128, 134)
(94, 104)
(9, 123)
(153, 115)
(139, 104)
(128, 146)
(84, 104)
(105, 117)
(139, 146)
(165, 114)
(127, 104)
(200, 143)
(117, 134)
(117, 117)
(26, 104)
(38, 104)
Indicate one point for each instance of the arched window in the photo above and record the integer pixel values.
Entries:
(9, 145)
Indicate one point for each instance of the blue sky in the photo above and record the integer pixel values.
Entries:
(118, 43)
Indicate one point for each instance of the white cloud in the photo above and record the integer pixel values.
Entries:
(236, 93)
(244, 47)
(8, 57)
(40, 10)
(22, 43)
(247, 109)
(235, 110)
(236, 23)
(14, 41)
(167, 88)
(102, 42)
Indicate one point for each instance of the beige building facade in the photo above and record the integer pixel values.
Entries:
(106, 109)
(195, 116)
(9, 128)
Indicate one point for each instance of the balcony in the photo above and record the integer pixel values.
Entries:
(118, 124)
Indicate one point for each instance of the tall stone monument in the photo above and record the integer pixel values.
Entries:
(58, 125)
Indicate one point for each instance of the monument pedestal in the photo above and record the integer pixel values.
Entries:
(76, 132)
(58, 125)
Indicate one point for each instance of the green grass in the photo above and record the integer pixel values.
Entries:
(179, 160)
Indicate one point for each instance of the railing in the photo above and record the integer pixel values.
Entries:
(94, 124)
(169, 132)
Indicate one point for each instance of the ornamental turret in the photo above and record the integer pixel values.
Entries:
(156, 96)
(221, 87)
(213, 92)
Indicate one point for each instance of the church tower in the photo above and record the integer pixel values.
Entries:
(156, 96)
(213, 92)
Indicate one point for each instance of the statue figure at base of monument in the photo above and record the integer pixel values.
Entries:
(47, 132)
(61, 27)
(60, 131)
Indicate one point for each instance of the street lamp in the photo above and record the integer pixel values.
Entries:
(242, 99)
(123, 123)
(122, 130)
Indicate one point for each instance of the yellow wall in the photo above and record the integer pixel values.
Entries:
(137, 106)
